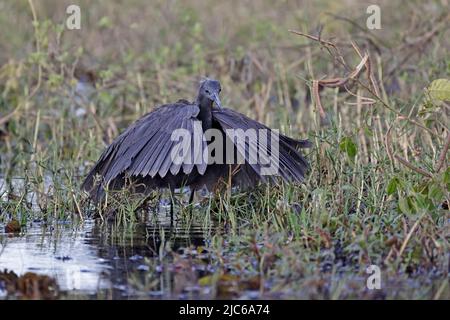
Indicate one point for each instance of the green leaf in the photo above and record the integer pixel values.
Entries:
(105, 22)
(420, 202)
(403, 205)
(205, 281)
(392, 186)
(368, 131)
(439, 90)
(55, 80)
(37, 57)
(447, 178)
(348, 146)
(435, 192)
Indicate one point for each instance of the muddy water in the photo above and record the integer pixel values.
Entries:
(90, 258)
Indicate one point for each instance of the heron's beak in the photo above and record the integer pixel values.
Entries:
(217, 100)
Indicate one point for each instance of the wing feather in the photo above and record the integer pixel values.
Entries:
(292, 165)
(144, 147)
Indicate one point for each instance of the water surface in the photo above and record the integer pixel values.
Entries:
(92, 257)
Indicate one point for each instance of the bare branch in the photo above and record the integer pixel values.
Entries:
(443, 155)
(315, 89)
(403, 160)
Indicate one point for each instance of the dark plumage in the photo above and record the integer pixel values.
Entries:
(142, 153)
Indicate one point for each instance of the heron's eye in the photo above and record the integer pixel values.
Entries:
(207, 91)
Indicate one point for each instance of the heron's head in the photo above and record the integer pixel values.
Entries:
(210, 90)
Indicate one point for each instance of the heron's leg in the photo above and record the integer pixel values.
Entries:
(171, 211)
(191, 197)
(171, 206)
(158, 203)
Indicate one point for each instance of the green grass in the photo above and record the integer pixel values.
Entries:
(358, 204)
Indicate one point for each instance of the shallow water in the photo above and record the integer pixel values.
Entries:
(59, 252)
(94, 258)
(89, 258)
(156, 259)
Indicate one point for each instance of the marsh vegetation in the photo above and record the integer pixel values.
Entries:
(377, 192)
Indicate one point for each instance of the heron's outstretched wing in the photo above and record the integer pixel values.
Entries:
(145, 148)
(291, 164)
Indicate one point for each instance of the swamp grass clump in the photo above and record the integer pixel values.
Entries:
(374, 103)
(273, 265)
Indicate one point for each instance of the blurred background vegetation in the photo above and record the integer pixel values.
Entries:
(65, 94)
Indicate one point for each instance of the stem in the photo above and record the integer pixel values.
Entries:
(38, 47)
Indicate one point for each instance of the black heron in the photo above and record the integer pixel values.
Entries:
(144, 153)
